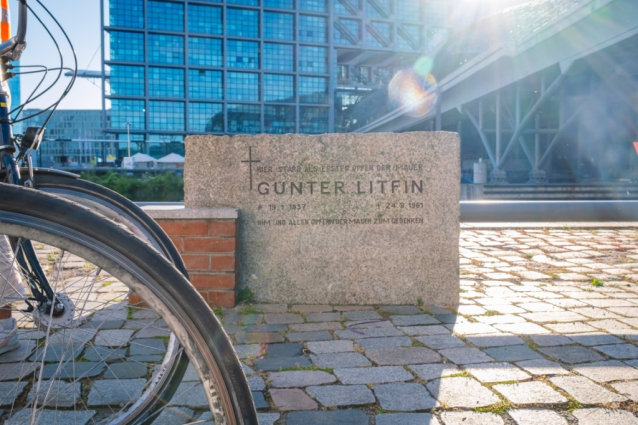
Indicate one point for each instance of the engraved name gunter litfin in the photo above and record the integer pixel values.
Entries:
(341, 187)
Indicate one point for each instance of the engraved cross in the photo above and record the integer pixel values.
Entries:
(250, 162)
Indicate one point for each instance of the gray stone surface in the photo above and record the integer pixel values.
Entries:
(513, 353)
(434, 371)
(607, 371)
(403, 397)
(543, 367)
(338, 346)
(372, 375)
(284, 350)
(125, 370)
(13, 371)
(461, 392)
(388, 342)
(396, 356)
(339, 360)
(309, 336)
(113, 337)
(256, 383)
(536, 417)
(281, 363)
(465, 355)
(73, 370)
(628, 389)
(496, 372)
(260, 400)
(56, 393)
(341, 395)
(438, 342)
(292, 399)
(619, 351)
(406, 419)
(190, 394)
(530, 393)
(401, 309)
(301, 378)
(52, 417)
(267, 418)
(114, 392)
(585, 391)
(345, 417)
(9, 391)
(471, 418)
(419, 319)
(216, 176)
(604, 416)
(571, 354)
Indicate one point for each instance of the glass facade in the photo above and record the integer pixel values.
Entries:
(248, 66)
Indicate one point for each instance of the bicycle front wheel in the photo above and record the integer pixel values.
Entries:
(100, 359)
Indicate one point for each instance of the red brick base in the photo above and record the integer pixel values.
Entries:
(208, 249)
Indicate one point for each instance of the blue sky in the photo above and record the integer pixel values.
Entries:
(81, 20)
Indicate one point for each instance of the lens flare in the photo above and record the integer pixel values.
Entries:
(254, 276)
(414, 89)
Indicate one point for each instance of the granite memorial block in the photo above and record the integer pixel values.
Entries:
(337, 218)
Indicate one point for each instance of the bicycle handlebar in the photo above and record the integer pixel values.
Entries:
(17, 44)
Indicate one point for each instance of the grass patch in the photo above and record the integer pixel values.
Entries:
(462, 374)
(462, 291)
(218, 312)
(245, 295)
(597, 283)
(573, 405)
(163, 338)
(249, 310)
(107, 283)
(528, 256)
(497, 408)
(491, 313)
(419, 302)
(313, 367)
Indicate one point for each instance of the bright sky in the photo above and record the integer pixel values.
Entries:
(81, 20)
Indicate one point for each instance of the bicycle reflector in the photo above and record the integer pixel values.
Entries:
(5, 25)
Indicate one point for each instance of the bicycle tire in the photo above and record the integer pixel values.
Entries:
(30, 214)
(108, 203)
(121, 210)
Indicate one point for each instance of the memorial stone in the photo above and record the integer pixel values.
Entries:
(337, 218)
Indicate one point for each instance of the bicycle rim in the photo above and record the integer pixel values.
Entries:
(98, 364)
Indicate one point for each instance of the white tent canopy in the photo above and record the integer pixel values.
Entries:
(172, 158)
(142, 157)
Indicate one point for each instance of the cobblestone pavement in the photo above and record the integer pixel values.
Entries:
(546, 333)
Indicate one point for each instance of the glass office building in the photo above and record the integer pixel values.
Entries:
(173, 68)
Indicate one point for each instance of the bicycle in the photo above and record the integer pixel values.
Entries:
(76, 307)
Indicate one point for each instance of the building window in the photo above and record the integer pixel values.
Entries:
(279, 4)
(131, 111)
(205, 51)
(278, 57)
(204, 84)
(242, 22)
(312, 28)
(164, 48)
(313, 5)
(340, 9)
(373, 12)
(127, 46)
(127, 80)
(278, 88)
(279, 26)
(205, 117)
(313, 90)
(205, 19)
(313, 59)
(243, 86)
(245, 2)
(167, 116)
(313, 120)
(126, 13)
(385, 30)
(279, 119)
(165, 16)
(353, 28)
(410, 37)
(242, 54)
(244, 119)
(407, 10)
(165, 82)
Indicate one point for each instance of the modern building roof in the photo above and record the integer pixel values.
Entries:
(172, 158)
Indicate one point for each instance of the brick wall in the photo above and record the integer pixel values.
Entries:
(207, 243)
